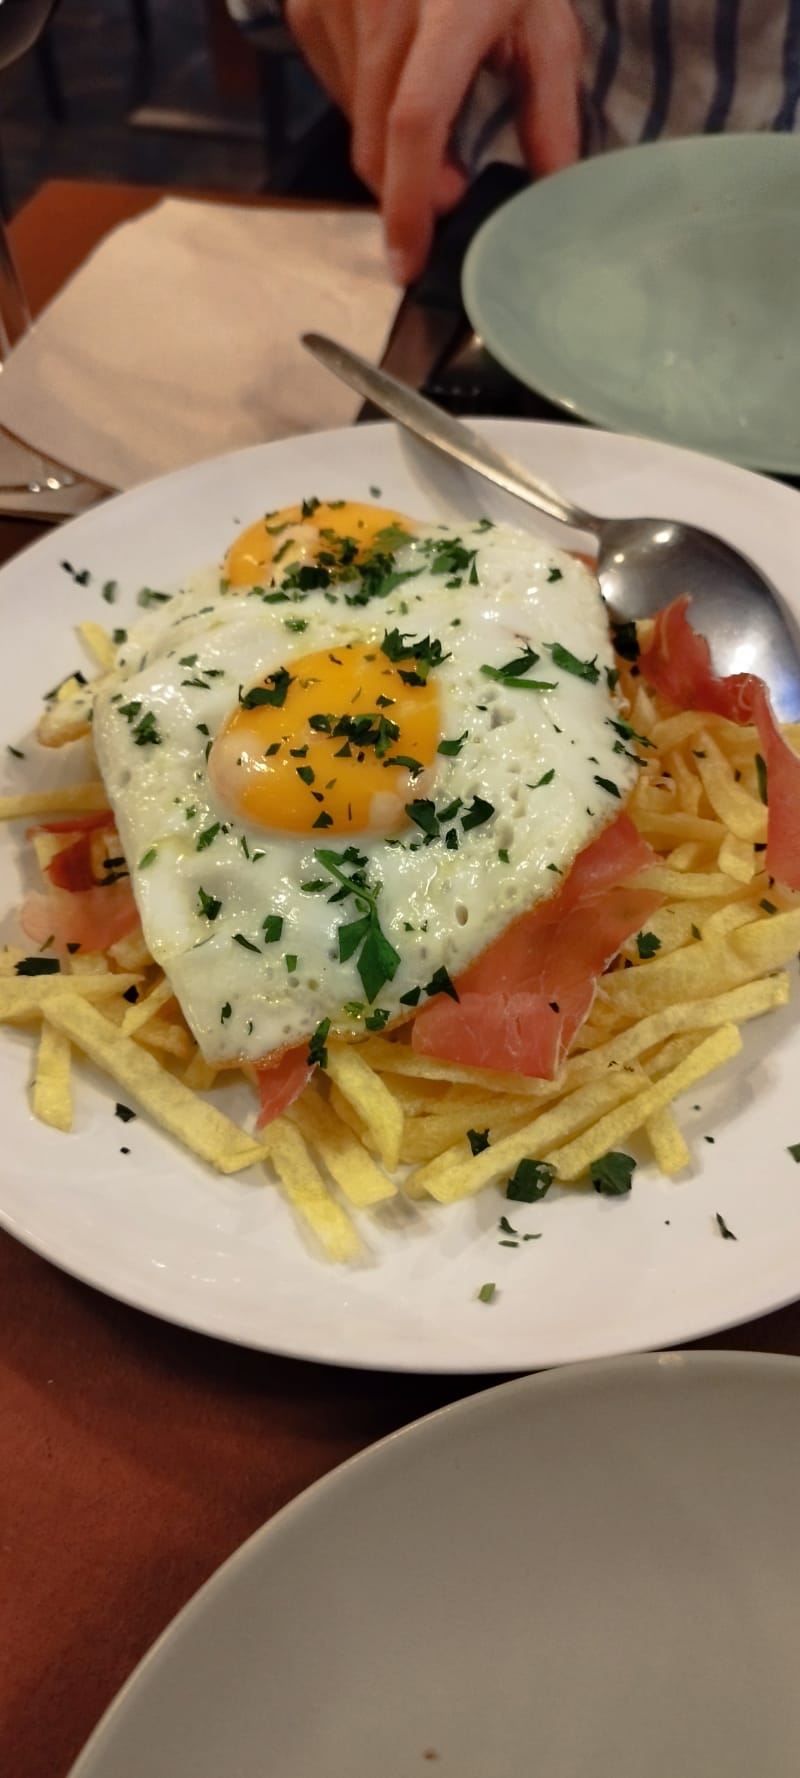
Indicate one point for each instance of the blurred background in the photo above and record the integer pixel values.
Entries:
(167, 92)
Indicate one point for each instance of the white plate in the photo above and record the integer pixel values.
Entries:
(158, 1230)
(592, 1572)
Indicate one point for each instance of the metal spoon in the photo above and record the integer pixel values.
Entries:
(642, 563)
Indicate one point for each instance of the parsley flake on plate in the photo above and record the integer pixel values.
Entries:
(612, 1174)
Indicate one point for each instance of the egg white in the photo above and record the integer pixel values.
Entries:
(536, 757)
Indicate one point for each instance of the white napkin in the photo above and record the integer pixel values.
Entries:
(179, 337)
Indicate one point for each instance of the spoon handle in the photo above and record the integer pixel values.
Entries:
(446, 434)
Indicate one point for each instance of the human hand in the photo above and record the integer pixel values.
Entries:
(401, 69)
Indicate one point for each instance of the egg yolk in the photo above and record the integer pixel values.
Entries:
(338, 742)
(297, 533)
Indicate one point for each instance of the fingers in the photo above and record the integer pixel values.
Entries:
(547, 74)
(385, 34)
(326, 33)
(449, 46)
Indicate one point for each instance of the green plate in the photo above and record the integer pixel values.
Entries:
(657, 290)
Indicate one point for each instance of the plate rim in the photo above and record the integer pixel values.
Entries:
(740, 1364)
(588, 411)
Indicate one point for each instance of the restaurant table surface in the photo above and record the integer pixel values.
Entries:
(135, 1456)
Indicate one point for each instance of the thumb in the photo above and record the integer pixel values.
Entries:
(547, 76)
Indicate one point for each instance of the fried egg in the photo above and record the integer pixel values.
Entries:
(340, 770)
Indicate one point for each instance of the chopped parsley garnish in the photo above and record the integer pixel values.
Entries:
(695, 931)
(451, 748)
(81, 576)
(503, 855)
(484, 525)
(147, 596)
(768, 906)
(110, 590)
(290, 960)
(16, 752)
(323, 820)
(375, 492)
(423, 813)
(554, 574)
(569, 662)
(647, 944)
(628, 732)
(487, 1293)
(225, 1013)
(317, 1053)
(726, 1233)
(273, 691)
(272, 928)
(612, 678)
(414, 766)
(145, 731)
(607, 784)
(478, 812)
(412, 998)
(377, 1019)
(296, 624)
(425, 651)
(511, 674)
(209, 905)
(546, 778)
(124, 1113)
(625, 639)
(246, 943)
(440, 983)
(478, 1141)
(531, 1181)
(207, 837)
(377, 961)
(309, 507)
(794, 1150)
(761, 777)
(307, 774)
(367, 730)
(612, 1173)
(37, 966)
(505, 1227)
(146, 858)
(451, 557)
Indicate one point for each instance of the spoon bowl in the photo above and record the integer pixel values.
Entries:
(643, 563)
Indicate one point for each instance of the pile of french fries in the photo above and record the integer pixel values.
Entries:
(382, 1120)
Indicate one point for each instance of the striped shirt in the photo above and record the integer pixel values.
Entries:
(651, 68)
(661, 68)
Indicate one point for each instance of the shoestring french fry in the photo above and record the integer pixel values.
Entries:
(308, 1194)
(171, 1104)
(51, 1095)
(74, 799)
(573, 1159)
